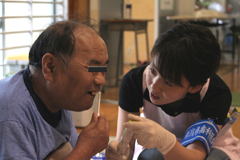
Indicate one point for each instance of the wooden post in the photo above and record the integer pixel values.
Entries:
(78, 7)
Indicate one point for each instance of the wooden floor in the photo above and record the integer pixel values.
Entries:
(230, 76)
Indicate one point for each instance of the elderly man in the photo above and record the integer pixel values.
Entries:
(35, 121)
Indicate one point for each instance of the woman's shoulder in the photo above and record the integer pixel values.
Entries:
(217, 100)
(218, 85)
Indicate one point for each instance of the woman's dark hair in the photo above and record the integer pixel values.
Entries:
(186, 50)
(58, 39)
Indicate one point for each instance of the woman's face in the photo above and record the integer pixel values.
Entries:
(161, 91)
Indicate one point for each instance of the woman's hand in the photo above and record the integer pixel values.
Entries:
(150, 134)
(112, 152)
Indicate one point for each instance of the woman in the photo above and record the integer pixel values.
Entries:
(184, 103)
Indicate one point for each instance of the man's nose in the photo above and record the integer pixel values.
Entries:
(100, 78)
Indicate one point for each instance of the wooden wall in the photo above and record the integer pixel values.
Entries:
(78, 7)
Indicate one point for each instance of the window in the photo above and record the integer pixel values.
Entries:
(21, 21)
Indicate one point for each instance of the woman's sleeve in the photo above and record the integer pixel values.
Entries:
(217, 101)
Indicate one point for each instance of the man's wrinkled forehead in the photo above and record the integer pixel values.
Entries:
(83, 30)
(84, 35)
(82, 43)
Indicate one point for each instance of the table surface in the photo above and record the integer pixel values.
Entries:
(23, 57)
(208, 17)
(20, 59)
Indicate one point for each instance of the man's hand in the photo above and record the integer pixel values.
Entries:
(150, 134)
(113, 154)
(93, 139)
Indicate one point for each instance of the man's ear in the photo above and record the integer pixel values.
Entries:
(48, 64)
(195, 89)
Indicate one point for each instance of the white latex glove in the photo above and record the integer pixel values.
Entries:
(150, 134)
(113, 154)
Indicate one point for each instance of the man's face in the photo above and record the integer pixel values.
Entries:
(161, 91)
(76, 87)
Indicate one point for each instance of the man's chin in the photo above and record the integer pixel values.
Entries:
(81, 108)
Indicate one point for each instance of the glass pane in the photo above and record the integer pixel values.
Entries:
(38, 8)
(19, 39)
(1, 54)
(17, 9)
(1, 43)
(35, 35)
(13, 52)
(43, 0)
(59, 9)
(17, 24)
(41, 23)
(24, 24)
(15, 59)
(19, 0)
(18, 51)
(1, 8)
(59, 19)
